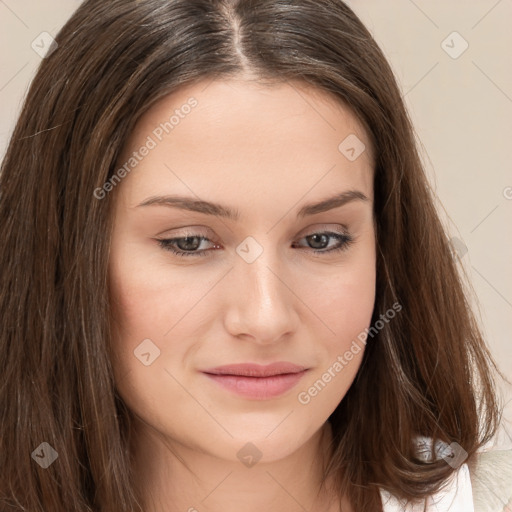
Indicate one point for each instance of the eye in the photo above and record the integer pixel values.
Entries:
(321, 239)
(189, 245)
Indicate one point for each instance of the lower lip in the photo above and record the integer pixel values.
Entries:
(258, 388)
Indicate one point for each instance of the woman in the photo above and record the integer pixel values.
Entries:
(224, 282)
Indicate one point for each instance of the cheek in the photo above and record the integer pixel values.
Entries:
(151, 302)
(138, 356)
(135, 316)
(132, 301)
(353, 303)
(344, 304)
(346, 308)
(347, 312)
(141, 291)
(345, 299)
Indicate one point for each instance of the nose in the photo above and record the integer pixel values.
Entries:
(261, 304)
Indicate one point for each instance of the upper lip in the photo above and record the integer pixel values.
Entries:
(256, 370)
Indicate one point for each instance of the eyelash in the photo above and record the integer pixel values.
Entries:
(166, 244)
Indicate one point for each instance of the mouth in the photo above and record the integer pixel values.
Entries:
(255, 381)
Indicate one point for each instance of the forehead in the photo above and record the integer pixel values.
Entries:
(241, 138)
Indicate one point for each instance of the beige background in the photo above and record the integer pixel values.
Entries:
(461, 108)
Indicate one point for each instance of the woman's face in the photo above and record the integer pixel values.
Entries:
(251, 288)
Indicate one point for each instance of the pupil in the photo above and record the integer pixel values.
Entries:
(185, 243)
(315, 240)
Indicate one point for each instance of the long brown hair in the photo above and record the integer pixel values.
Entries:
(426, 372)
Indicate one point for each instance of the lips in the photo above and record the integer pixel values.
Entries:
(255, 381)
(256, 370)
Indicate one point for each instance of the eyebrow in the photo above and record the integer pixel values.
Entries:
(218, 210)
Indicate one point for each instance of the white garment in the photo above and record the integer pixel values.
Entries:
(485, 485)
(456, 497)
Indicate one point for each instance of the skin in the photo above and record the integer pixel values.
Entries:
(265, 151)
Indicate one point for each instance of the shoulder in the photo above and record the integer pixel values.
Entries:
(482, 484)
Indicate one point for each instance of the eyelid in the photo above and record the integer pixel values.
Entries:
(326, 227)
(193, 232)
(344, 238)
(186, 231)
(208, 232)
